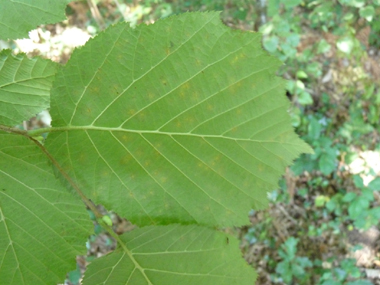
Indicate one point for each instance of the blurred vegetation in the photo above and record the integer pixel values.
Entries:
(323, 223)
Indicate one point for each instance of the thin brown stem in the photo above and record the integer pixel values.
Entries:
(13, 130)
(96, 14)
(85, 200)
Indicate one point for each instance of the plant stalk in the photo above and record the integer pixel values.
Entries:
(30, 135)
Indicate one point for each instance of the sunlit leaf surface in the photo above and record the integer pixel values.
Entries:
(17, 18)
(183, 121)
(43, 226)
(173, 255)
(24, 86)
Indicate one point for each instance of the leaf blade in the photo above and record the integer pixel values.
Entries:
(173, 255)
(24, 86)
(183, 121)
(17, 18)
(42, 226)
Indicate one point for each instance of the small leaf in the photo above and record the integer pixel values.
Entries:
(107, 220)
(17, 18)
(271, 44)
(353, 3)
(314, 129)
(173, 255)
(273, 7)
(304, 262)
(321, 200)
(24, 86)
(323, 46)
(345, 45)
(291, 3)
(348, 197)
(358, 181)
(297, 270)
(304, 98)
(357, 206)
(367, 193)
(301, 74)
(367, 12)
(290, 246)
(327, 163)
(374, 185)
(284, 269)
(43, 227)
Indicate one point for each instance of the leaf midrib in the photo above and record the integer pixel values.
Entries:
(136, 131)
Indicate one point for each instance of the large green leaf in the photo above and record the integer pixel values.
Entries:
(17, 18)
(24, 86)
(173, 255)
(181, 121)
(42, 225)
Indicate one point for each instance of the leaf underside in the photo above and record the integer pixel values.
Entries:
(17, 18)
(24, 86)
(173, 255)
(182, 121)
(42, 225)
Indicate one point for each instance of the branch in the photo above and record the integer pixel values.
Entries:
(96, 14)
(86, 201)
